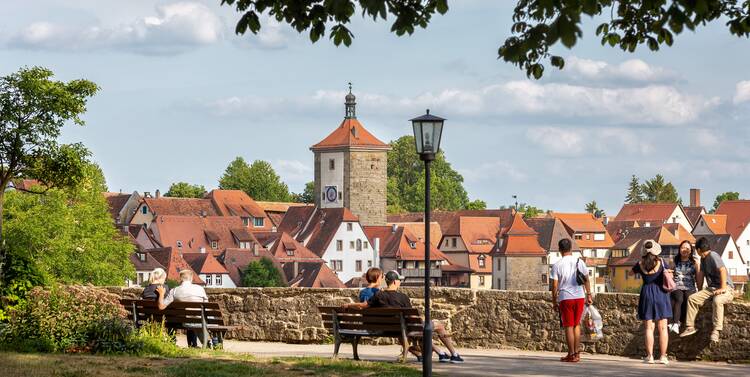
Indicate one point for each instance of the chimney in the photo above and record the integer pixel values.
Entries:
(695, 197)
(146, 194)
(158, 194)
(296, 269)
(376, 252)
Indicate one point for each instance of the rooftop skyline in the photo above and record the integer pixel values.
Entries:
(182, 96)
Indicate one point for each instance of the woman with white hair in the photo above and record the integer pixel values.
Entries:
(157, 279)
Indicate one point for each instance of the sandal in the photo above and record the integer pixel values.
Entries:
(567, 358)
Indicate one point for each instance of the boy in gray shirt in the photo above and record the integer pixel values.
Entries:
(720, 288)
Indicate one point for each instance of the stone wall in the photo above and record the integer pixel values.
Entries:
(478, 319)
(525, 273)
(365, 181)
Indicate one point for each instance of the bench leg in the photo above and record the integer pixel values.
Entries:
(336, 347)
(355, 342)
(404, 350)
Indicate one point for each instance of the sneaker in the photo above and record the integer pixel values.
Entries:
(456, 359)
(444, 357)
(648, 359)
(715, 335)
(688, 331)
(675, 328)
(664, 360)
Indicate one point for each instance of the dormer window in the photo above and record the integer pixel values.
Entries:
(481, 260)
(214, 245)
(144, 210)
(258, 222)
(179, 244)
(246, 221)
(244, 245)
(142, 257)
(349, 227)
(412, 244)
(290, 252)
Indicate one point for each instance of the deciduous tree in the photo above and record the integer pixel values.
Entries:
(262, 273)
(537, 25)
(258, 180)
(729, 195)
(185, 190)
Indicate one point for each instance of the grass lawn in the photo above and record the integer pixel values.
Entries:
(201, 363)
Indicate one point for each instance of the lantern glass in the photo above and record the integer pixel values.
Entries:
(418, 136)
(428, 130)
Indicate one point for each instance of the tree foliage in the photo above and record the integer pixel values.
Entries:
(65, 236)
(406, 181)
(33, 110)
(477, 204)
(529, 211)
(258, 180)
(634, 195)
(537, 24)
(185, 190)
(262, 273)
(729, 195)
(306, 196)
(657, 190)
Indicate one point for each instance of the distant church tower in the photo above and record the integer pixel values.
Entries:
(350, 169)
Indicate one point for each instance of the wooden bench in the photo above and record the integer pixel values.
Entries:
(351, 325)
(196, 316)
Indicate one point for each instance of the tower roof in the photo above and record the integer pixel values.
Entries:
(350, 134)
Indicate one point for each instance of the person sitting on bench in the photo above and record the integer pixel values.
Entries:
(185, 292)
(390, 297)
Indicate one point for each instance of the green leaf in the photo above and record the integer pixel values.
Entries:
(442, 6)
(558, 62)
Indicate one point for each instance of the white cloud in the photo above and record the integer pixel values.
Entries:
(272, 35)
(294, 171)
(176, 28)
(742, 92)
(630, 70)
(570, 142)
(494, 170)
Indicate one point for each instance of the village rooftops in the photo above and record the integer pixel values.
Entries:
(717, 224)
(582, 225)
(312, 275)
(479, 234)
(180, 206)
(738, 215)
(315, 225)
(520, 240)
(449, 221)
(551, 231)
(173, 263)
(693, 213)
(656, 213)
(196, 233)
(399, 243)
(204, 263)
(350, 135)
(235, 203)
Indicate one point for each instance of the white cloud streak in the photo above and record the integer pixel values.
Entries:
(742, 92)
(635, 70)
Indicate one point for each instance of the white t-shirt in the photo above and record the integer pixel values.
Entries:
(564, 271)
(186, 292)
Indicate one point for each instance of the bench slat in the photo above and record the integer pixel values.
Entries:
(170, 319)
(174, 305)
(371, 319)
(177, 312)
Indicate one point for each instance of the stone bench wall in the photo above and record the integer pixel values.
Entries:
(477, 319)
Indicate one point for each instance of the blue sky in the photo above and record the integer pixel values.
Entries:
(182, 96)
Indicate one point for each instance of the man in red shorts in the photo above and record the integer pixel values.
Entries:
(568, 297)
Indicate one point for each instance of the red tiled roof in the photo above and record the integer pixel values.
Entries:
(280, 206)
(646, 212)
(313, 275)
(584, 223)
(519, 240)
(417, 228)
(180, 206)
(693, 213)
(148, 264)
(479, 234)
(26, 184)
(632, 258)
(318, 225)
(350, 133)
(679, 232)
(618, 229)
(235, 203)
(551, 231)
(738, 215)
(173, 263)
(449, 220)
(398, 244)
(195, 232)
(285, 243)
(116, 201)
(204, 263)
(717, 224)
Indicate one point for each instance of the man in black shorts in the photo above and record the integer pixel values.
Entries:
(390, 297)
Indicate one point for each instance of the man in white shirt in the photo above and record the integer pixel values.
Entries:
(568, 297)
(185, 292)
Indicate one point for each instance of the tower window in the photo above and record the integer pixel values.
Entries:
(144, 210)
(331, 164)
(341, 196)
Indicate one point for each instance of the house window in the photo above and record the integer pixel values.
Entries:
(244, 245)
(218, 279)
(349, 227)
(339, 245)
(358, 266)
(246, 221)
(454, 242)
(208, 279)
(598, 236)
(337, 265)
(144, 210)
(257, 222)
(748, 242)
(331, 164)
(481, 280)
(359, 245)
(142, 257)
(179, 244)
(214, 245)
(481, 260)
(731, 254)
(578, 236)
(369, 263)
(412, 245)
(140, 278)
(544, 279)
(289, 252)
(351, 245)
(367, 245)
(588, 236)
(341, 195)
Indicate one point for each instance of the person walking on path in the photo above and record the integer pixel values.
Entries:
(374, 278)
(685, 268)
(720, 288)
(569, 297)
(654, 305)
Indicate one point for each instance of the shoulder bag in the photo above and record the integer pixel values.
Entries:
(581, 278)
(668, 285)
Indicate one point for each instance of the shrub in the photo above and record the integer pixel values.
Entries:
(62, 318)
(152, 339)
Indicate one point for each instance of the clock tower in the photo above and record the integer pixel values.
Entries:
(351, 169)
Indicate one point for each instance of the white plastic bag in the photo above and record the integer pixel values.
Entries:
(591, 323)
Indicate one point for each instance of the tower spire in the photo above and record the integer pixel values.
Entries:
(350, 104)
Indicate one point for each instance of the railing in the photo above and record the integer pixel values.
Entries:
(417, 273)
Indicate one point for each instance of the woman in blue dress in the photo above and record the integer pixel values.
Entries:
(654, 306)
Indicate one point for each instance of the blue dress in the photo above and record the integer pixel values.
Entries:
(654, 303)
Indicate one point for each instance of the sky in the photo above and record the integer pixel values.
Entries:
(182, 95)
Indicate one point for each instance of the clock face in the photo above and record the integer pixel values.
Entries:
(331, 194)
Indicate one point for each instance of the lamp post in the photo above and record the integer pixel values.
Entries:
(427, 131)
